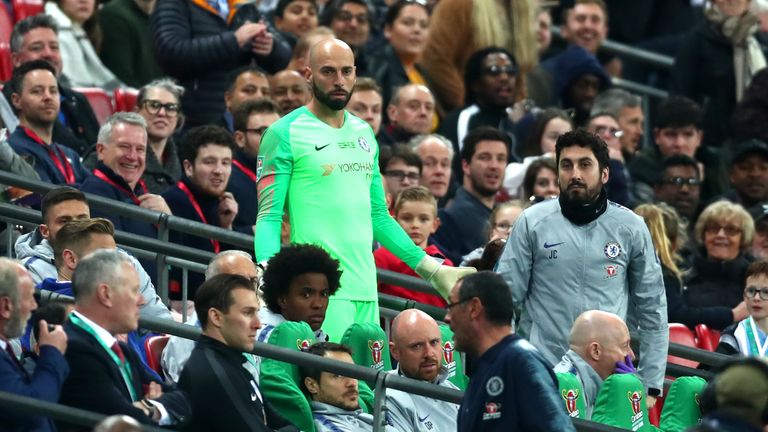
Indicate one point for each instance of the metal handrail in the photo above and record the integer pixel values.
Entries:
(649, 57)
(174, 223)
(58, 412)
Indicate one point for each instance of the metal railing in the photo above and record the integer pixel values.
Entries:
(165, 224)
(657, 60)
(58, 412)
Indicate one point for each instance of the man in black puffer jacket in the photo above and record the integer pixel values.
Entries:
(202, 46)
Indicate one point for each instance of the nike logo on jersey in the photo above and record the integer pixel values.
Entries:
(318, 148)
(548, 245)
(422, 419)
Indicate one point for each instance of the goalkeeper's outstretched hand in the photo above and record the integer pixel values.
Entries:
(443, 278)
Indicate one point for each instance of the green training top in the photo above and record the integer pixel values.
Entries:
(335, 197)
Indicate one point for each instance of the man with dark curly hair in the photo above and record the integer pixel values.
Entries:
(296, 286)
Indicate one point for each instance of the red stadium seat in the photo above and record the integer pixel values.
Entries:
(654, 414)
(125, 99)
(154, 347)
(26, 8)
(706, 338)
(6, 25)
(100, 102)
(682, 335)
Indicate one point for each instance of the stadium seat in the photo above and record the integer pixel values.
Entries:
(572, 392)
(452, 359)
(100, 102)
(681, 409)
(621, 403)
(6, 25)
(125, 99)
(706, 338)
(654, 414)
(370, 347)
(679, 333)
(26, 8)
(154, 347)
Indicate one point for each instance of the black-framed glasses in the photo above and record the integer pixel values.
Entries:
(680, 181)
(153, 107)
(450, 306)
(750, 292)
(257, 131)
(402, 175)
(616, 133)
(348, 16)
(496, 70)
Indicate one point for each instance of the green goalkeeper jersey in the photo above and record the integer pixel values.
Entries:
(328, 180)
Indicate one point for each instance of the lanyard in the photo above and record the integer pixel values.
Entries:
(125, 368)
(247, 171)
(56, 155)
(196, 206)
(753, 337)
(100, 174)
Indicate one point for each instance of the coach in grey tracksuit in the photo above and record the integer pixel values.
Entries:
(411, 412)
(581, 252)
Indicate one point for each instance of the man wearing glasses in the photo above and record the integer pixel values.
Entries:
(748, 337)
(679, 185)
(512, 387)
(606, 126)
(350, 21)
(251, 119)
(402, 170)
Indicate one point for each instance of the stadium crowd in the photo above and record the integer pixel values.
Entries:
(565, 223)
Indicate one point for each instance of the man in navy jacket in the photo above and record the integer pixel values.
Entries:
(17, 302)
(36, 98)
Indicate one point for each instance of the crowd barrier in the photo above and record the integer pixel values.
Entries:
(62, 413)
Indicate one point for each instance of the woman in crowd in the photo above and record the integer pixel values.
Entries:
(500, 224)
(723, 50)
(79, 42)
(667, 234)
(548, 126)
(406, 27)
(540, 181)
(724, 234)
(295, 18)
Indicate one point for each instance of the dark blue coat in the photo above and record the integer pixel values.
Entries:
(97, 186)
(244, 190)
(29, 148)
(512, 389)
(44, 384)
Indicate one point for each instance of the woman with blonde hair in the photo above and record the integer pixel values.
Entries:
(667, 233)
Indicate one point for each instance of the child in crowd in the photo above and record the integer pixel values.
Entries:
(415, 209)
(749, 337)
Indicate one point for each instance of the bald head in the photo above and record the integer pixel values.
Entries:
(329, 48)
(232, 262)
(601, 339)
(416, 343)
(332, 75)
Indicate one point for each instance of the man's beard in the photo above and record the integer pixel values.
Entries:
(334, 104)
(481, 189)
(583, 195)
(15, 326)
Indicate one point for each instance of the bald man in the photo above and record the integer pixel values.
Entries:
(416, 343)
(289, 90)
(325, 161)
(599, 347)
(178, 350)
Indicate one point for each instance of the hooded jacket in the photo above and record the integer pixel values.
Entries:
(569, 65)
(36, 254)
(329, 418)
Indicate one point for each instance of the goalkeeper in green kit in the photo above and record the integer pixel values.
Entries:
(321, 165)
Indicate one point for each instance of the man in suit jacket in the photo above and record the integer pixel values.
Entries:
(106, 375)
(17, 302)
(219, 379)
